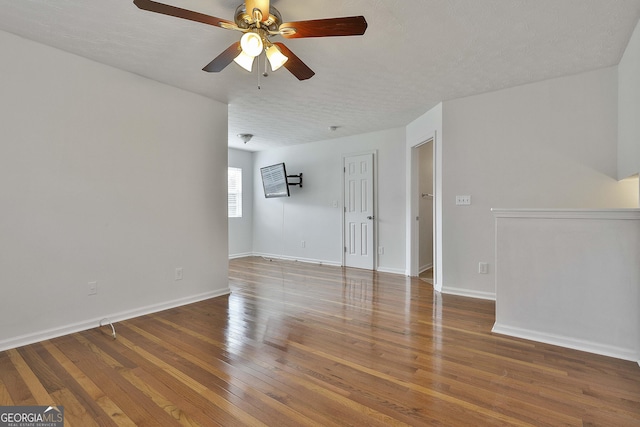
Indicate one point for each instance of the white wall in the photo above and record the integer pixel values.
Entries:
(550, 144)
(281, 224)
(104, 176)
(241, 229)
(570, 278)
(629, 108)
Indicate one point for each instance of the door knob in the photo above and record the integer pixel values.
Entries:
(370, 217)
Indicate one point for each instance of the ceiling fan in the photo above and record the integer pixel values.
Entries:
(259, 21)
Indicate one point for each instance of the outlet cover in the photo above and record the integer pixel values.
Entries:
(178, 275)
(93, 288)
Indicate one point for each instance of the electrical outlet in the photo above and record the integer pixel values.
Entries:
(380, 250)
(463, 200)
(303, 244)
(178, 275)
(483, 268)
(93, 288)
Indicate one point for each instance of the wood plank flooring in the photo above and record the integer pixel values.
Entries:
(306, 345)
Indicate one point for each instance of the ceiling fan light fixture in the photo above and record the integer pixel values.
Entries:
(245, 61)
(259, 21)
(275, 57)
(251, 44)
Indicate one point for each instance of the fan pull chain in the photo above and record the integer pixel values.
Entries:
(266, 73)
(258, 71)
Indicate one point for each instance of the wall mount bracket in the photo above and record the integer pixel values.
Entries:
(296, 176)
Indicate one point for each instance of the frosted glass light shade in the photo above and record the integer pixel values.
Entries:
(275, 57)
(251, 44)
(244, 60)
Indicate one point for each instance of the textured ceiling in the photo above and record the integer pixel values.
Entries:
(415, 54)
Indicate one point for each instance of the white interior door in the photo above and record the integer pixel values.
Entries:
(358, 211)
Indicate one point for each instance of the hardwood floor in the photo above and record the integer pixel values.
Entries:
(298, 344)
(427, 275)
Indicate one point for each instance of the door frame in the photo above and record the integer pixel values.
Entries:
(413, 211)
(421, 211)
(374, 153)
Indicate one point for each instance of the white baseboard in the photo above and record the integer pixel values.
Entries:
(244, 255)
(562, 341)
(469, 293)
(400, 271)
(113, 317)
(291, 258)
(323, 262)
(425, 268)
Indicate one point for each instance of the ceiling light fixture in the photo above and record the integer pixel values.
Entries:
(245, 61)
(252, 46)
(245, 137)
(275, 57)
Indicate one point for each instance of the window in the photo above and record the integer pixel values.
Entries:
(234, 199)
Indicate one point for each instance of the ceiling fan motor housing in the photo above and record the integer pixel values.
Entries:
(245, 20)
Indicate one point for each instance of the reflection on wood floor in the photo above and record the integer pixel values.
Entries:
(298, 344)
(427, 275)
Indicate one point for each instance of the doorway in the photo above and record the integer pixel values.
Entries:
(415, 200)
(425, 211)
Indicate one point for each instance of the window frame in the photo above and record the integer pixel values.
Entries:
(234, 192)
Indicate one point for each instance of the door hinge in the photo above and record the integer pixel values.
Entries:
(345, 249)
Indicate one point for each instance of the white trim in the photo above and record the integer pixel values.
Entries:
(291, 258)
(399, 271)
(114, 317)
(425, 268)
(491, 296)
(633, 214)
(562, 341)
(243, 255)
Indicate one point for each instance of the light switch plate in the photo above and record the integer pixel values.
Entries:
(483, 268)
(463, 200)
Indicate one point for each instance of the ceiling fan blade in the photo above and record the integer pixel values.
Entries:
(294, 64)
(190, 15)
(224, 59)
(262, 5)
(348, 26)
